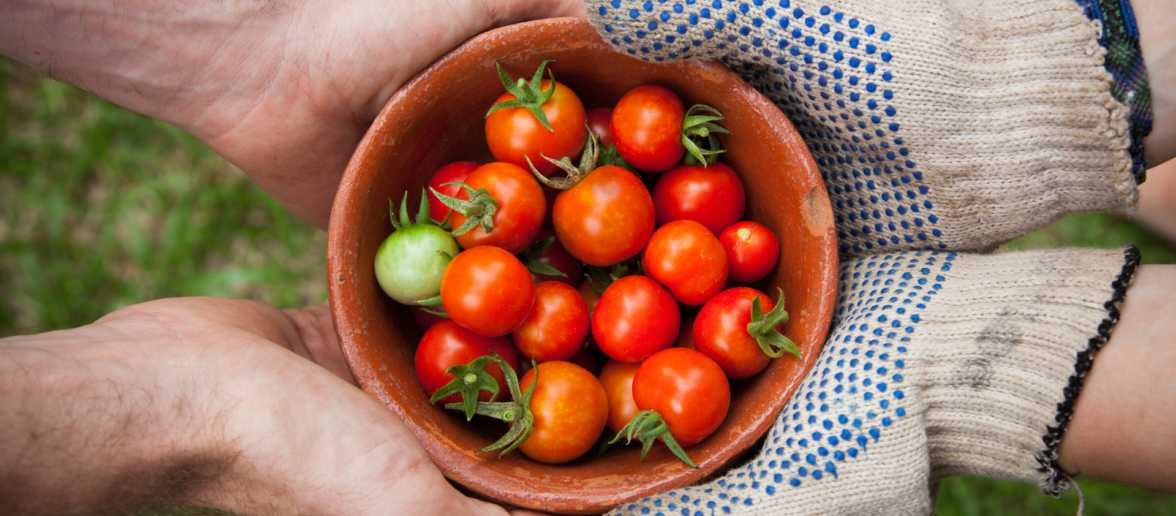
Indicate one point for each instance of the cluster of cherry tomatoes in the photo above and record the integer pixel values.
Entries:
(494, 283)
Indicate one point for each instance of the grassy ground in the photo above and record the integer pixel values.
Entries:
(100, 208)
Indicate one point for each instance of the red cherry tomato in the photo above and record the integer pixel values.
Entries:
(606, 218)
(687, 389)
(647, 128)
(551, 253)
(520, 211)
(487, 290)
(712, 196)
(635, 318)
(446, 344)
(720, 332)
(557, 325)
(617, 378)
(570, 410)
(752, 250)
(600, 122)
(687, 258)
(513, 134)
(455, 172)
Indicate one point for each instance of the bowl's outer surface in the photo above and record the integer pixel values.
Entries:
(437, 118)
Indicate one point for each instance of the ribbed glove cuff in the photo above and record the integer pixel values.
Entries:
(1006, 348)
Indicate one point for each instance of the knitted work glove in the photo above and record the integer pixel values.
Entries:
(940, 126)
(937, 124)
(939, 364)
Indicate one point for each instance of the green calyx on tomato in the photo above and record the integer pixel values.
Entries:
(610, 156)
(469, 380)
(599, 278)
(528, 95)
(410, 262)
(478, 210)
(700, 130)
(535, 265)
(648, 426)
(516, 412)
(588, 163)
(763, 328)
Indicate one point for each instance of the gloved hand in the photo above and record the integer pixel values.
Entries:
(939, 126)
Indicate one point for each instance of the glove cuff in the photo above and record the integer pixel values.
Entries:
(1124, 61)
(1009, 346)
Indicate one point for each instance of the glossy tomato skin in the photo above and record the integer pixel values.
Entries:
(409, 263)
(521, 207)
(712, 196)
(647, 128)
(557, 325)
(606, 218)
(556, 256)
(446, 344)
(720, 332)
(600, 123)
(635, 318)
(455, 172)
(570, 409)
(617, 378)
(487, 290)
(752, 250)
(688, 389)
(687, 258)
(513, 134)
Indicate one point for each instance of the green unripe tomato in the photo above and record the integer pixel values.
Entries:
(410, 262)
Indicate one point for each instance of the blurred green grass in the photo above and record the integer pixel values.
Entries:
(100, 208)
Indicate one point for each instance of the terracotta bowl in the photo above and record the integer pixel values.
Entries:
(437, 118)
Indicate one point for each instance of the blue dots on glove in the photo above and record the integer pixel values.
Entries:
(830, 73)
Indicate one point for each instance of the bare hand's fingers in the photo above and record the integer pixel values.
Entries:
(308, 332)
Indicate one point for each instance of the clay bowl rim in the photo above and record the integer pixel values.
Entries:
(341, 244)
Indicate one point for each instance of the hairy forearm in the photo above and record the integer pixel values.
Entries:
(164, 58)
(1157, 38)
(88, 426)
(1125, 420)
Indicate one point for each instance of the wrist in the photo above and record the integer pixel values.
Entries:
(1157, 40)
(90, 419)
(1014, 338)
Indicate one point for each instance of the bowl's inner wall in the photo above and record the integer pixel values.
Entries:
(402, 153)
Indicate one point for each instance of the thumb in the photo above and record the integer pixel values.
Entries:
(315, 338)
(505, 12)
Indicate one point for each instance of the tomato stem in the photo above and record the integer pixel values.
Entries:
(469, 380)
(575, 174)
(764, 328)
(516, 412)
(647, 427)
(610, 156)
(399, 218)
(530, 96)
(479, 209)
(700, 130)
